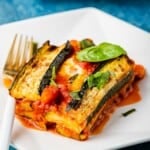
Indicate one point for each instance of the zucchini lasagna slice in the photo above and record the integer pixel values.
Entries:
(72, 88)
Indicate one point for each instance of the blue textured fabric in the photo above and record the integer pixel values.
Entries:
(136, 12)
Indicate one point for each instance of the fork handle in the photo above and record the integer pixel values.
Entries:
(7, 123)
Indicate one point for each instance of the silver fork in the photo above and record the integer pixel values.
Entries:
(20, 52)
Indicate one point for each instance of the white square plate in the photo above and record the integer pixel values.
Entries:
(78, 24)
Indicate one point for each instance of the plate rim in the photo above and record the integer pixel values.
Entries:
(70, 11)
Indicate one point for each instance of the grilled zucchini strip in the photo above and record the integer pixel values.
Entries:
(30, 78)
(60, 58)
(75, 103)
(78, 123)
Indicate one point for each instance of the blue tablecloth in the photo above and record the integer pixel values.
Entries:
(135, 12)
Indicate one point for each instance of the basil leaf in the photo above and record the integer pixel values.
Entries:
(85, 43)
(102, 52)
(125, 114)
(99, 79)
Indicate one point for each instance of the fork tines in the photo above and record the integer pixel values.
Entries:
(19, 53)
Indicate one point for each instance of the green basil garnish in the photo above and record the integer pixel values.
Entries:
(125, 114)
(99, 79)
(102, 52)
(85, 43)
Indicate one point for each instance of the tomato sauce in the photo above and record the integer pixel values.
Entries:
(89, 67)
(132, 98)
(100, 127)
(7, 82)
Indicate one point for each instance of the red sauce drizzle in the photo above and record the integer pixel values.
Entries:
(132, 98)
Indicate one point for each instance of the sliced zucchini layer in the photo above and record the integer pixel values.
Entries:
(83, 118)
(35, 75)
(59, 59)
